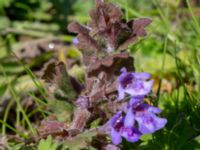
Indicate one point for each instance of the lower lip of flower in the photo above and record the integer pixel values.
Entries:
(149, 120)
(128, 130)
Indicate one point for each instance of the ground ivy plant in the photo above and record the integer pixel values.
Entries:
(113, 94)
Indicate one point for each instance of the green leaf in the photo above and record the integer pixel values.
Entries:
(80, 141)
(5, 20)
(146, 137)
(47, 144)
(3, 89)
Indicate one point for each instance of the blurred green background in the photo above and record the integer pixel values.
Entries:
(32, 32)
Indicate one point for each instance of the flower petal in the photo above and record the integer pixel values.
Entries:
(123, 70)
(116, 137)
(150, 123)
(131, 134)
(135, 100)
(75, 40)
(129, 118)
(148, 86)
(139, 88)
(121, 93)
(154, 110)
(113, 120)
(142, 75)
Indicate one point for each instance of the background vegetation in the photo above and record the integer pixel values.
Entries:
(32, 32)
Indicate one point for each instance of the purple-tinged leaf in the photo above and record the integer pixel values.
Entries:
(138, 30)
(62, 84)
(86, 42)
(111, 64)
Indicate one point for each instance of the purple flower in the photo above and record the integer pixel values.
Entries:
(137, 118)
(75, 40)
(145, 115)
(116, 123)
(134, 84)
(119, 130)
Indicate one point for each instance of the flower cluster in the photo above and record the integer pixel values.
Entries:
(138, 118)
